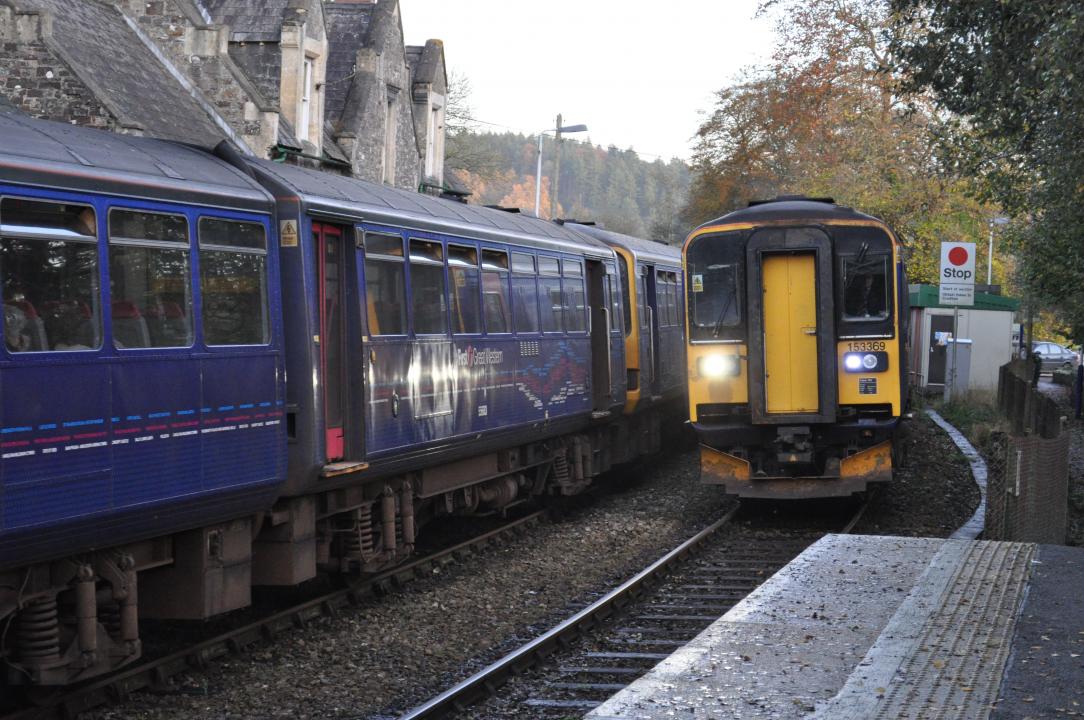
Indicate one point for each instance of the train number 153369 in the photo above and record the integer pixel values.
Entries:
(872, 346)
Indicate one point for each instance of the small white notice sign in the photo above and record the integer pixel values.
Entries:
(957, 275)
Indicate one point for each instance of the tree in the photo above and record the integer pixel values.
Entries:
(822, 119)
(459, 123)
(1009, 72)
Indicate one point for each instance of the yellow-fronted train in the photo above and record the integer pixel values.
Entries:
(796, 314)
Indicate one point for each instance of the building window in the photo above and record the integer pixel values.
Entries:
(305, 110)
(434, 144)
(390, 119)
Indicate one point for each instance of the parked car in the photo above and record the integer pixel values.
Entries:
(1054, 356)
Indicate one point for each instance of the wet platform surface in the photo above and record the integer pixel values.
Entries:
(886, 627)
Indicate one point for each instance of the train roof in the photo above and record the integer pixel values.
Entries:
(348, 198)
(82, 159)
(643, 250)
(792, 208)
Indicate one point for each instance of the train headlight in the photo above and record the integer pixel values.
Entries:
(865, 362)
(714, 367)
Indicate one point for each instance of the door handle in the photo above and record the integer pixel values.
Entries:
(810, 330)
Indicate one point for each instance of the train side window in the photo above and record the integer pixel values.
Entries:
(495, 291)
(385, 284)
(149, 268)
(233, 287)
(49, 276)
(463, 272)
(865, 287)
(613, 285)
(524, 293)
(427, 289)
(574, 302)
(549, 291)
(626, 294)
(641, 299)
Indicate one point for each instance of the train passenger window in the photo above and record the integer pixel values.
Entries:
(148, 270)
(614, 288)
(463, 271)
(49, 276)
(524, 294)
(233, 288)
(626, 297)
(575, 299)
(713, 282)
(385, 284)
(865, 287)
(427, 290)
(523, 263)
(551, 303)
(495, 291)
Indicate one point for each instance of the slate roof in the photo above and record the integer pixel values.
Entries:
(128, 77)
(250, 20)
(347, 32)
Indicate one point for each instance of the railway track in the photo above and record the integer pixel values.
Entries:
(151, 673)
(621, 635)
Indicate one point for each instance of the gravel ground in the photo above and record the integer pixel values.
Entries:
(387, 655)
(1062, 395)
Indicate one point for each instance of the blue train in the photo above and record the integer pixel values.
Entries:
(220, 372)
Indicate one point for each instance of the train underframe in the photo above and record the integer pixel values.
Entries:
(805, 461)
(75, 618)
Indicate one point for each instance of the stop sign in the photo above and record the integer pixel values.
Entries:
(957, 275)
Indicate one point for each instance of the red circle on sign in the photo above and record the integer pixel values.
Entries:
(957, 256)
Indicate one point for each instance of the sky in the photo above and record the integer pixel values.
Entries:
(639, 74)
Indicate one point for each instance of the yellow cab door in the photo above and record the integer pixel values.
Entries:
(790, 333)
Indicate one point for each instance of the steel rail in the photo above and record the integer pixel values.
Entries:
(486, 680)
(119, 685)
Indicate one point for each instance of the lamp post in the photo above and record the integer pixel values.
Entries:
(557, 164)
(996, 220)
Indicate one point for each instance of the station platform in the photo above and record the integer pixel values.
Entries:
(886, 627)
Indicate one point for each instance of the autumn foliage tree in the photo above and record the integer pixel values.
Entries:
(823, 118)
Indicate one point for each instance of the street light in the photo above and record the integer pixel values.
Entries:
(556, 161)
(996, 220)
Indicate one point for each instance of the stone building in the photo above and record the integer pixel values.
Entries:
(309, 81)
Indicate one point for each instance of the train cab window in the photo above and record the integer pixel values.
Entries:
(549, 292)
(49, 276)
(149, 269)
(427, 290)
(233, 288)
(575, 298)
(524, 293)
(385, 284)
(463, 272)
(626, 296)
(713, 283)
(865, 287)
(495, 291)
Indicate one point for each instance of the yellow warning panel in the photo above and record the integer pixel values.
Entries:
(790, 333)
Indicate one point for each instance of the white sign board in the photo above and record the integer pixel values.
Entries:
(957, 276)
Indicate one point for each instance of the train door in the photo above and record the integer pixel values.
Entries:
(649, 332)
(940, 327)
(790, 333)
(328, 240)
(600, 336)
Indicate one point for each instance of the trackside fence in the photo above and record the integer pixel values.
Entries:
(1028, 482)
